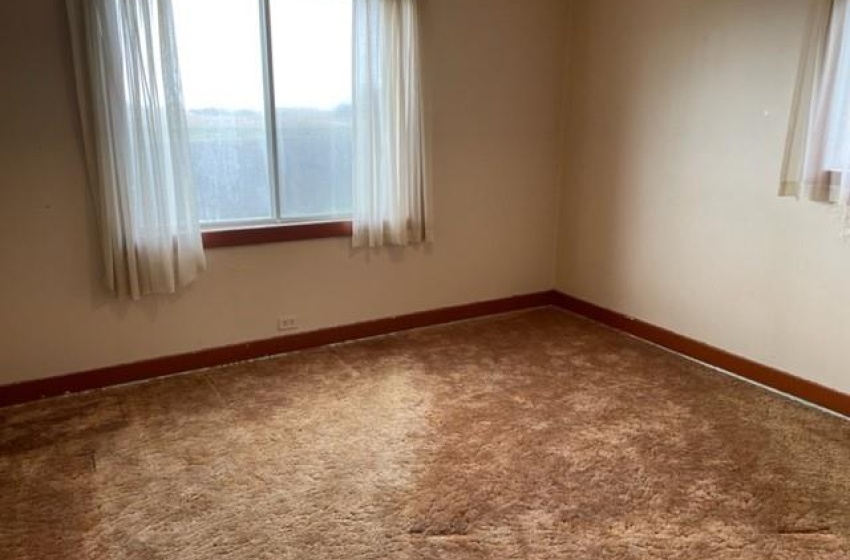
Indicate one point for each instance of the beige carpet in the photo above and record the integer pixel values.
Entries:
(534, 435)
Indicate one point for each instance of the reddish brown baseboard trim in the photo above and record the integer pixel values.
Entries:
(168, 365)
(159, 367)
(765, 375)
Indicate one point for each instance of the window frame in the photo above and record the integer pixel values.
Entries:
(275, 233)
(277, 229)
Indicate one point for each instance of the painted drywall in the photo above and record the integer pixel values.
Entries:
(494, 78)
(676, 122)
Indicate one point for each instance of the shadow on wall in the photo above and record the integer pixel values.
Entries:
(590, 231)
(674, 140)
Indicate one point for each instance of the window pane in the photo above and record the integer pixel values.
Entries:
(311, 54)
(221, 62)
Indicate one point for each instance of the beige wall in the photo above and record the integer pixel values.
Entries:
(671, 148)
(494, 97)
(677, 118)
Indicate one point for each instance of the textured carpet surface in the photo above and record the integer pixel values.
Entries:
(533, 435)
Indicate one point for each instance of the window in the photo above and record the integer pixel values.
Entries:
(272, 136)
(267, 90)
(817, 154)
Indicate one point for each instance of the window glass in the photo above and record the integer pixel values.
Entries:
(223, 60)
(311, 54)
(220, 54)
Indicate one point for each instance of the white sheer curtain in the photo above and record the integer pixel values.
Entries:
(391, 200)
(817, 156)
(137, 151)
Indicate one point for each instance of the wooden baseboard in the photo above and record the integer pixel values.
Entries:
(159, 367)
(743, 367)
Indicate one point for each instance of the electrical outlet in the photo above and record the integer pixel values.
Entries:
(287, 323)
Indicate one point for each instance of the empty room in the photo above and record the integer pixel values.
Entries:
(420, 279)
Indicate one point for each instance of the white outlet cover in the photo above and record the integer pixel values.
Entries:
(287, 323)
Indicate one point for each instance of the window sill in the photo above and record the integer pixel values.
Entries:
(275, 234)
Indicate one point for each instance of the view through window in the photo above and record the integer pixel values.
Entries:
(267, 87)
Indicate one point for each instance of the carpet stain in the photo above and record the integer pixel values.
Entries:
(530, 435)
